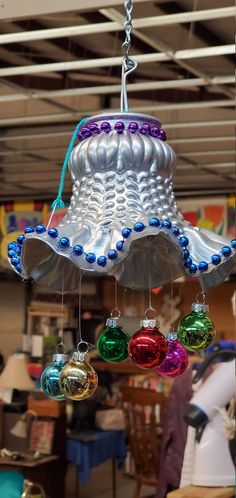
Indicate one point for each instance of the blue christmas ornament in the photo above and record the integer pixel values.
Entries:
(50, 377)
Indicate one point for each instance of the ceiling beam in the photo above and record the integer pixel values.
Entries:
(116, 61)
(106, 27)
(159, 46)
(28, 8)
(108, 89)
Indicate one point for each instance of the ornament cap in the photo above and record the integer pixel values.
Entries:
(171, 336)
(60, 357)
(200, 307)
(78, 356)
(112, 321)
(148, 322)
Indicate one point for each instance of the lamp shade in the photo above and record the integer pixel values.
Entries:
(20, 429)
(15, 374)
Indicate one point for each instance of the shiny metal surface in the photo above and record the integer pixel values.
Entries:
(119, 180)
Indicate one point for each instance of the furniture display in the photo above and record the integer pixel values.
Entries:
(144, 411)
(42, 470)
(88, 450)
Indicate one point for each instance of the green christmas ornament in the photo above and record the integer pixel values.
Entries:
(196, 331)
(113, 342)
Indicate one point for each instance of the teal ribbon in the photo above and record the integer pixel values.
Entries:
(58, 202)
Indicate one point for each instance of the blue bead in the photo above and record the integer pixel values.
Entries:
(11, 253)
(233, 243)
(91, 257)
(12, 246)
(175, 231)
(53, 232)
(19, 269)
(186, 253)
(193, 268)
(15, 261)
(183, 241)
(102, 261)
(188, 262)
(29, 230)
(40, 229)
(139, 227)
(112, 254)
(154, 222)
(215, 259)
(119, 245)
(203, 266)
(64, 242)
(166, 224)
(18, 250)
(226, 251)
(126, 232)
(20, 239)
(78, 250)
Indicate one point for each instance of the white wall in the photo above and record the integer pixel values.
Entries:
(11, 316)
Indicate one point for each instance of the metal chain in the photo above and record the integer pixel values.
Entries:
(128, 64)
(128, 5)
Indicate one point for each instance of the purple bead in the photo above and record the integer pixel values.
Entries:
(133, 127)
(162, 135)
(106, 127)
(94, 129)
(145, 129)
(85, 133)
(119, 127)
(155, 132)
(80, 136)
(175, 362)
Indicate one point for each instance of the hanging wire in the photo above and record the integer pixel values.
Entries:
(115, 312)
(171, 307)
(60, 346)
(79, 333)
(128, 64)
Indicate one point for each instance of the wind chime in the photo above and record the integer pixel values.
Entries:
(123, 221)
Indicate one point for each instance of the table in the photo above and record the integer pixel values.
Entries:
(39, 470)
(88, 450)
(201, 492)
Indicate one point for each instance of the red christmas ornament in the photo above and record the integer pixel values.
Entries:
(148, 347)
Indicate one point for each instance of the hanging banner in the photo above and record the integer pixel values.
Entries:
(209, 213)
(15, 217)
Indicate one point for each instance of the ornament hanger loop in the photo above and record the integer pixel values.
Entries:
(151, 310)
(128, 64)
(115, 313)
(201, 297)
(82, 347)
(60, 349)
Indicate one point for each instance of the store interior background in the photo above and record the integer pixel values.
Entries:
(38, 112)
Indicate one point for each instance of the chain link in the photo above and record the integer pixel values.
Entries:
(128, 5)
(128, 64)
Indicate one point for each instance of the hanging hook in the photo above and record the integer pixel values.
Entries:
(201, 295)
(128, 64)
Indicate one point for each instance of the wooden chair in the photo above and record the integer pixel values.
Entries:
(144, 432)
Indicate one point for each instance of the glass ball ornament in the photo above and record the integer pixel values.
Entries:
(147, 347)
(51, 375)
(113, 342)
(78, 379)
(176, 360)
(196, 331)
